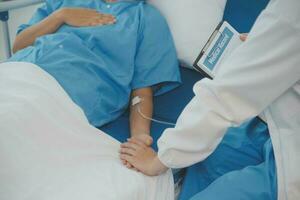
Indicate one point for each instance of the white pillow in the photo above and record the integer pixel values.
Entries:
(191, 23)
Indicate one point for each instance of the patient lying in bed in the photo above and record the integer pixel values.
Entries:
(102, 53)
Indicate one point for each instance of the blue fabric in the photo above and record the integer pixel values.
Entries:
(256, 181)
(99, 66)
(241, 14)
(241, 147)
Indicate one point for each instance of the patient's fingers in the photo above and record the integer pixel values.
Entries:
(109, 17)
(105, 20)
(102, 19)
(128, 165)
(102, 22)
(80, 17)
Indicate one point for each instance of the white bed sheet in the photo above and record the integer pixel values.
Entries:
(48, 150)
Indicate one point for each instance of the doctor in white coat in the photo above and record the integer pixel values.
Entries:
(261, 76)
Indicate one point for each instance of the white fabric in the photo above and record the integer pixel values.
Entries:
(48, 151)
(191, 23)
(263, 74)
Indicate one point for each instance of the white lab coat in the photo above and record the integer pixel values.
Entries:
(263, 75)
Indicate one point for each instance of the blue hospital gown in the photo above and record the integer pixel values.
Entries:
(99, 66)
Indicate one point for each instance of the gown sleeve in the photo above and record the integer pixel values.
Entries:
(41, 13)
(156, 62)
(256, 74)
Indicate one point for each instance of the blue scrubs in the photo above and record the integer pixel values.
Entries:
(242, 167)
(99, 66)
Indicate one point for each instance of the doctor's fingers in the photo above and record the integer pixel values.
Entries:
(131, 146)
(106, 17)
(243, 37)
(128, 151)
(127, 158)
(128, 165)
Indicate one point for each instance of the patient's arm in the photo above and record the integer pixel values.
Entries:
(139, 126)
(72, 16)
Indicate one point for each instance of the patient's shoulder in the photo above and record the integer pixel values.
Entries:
(152, 15)
(151, 10)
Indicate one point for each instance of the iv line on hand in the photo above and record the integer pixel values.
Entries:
(136, 101)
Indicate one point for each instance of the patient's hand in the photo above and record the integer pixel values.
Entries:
(79, 17)
(141, 157)
(146, 139)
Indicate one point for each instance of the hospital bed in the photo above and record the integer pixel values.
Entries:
(241, 15)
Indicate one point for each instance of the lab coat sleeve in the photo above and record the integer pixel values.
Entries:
(255, 75)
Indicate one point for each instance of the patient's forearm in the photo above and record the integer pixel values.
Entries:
(47, 26)
(138, 124)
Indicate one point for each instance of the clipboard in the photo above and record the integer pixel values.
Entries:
(220, 44)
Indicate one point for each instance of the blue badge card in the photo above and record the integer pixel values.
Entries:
(221, 43)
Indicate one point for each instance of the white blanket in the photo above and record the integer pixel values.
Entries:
(48, 150)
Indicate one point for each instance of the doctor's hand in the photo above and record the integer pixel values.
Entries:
(143, 138)
(243, 36)
(80, 17)
(143, 158)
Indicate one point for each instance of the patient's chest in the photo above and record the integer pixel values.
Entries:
(116, 40)
(108, 48)
(122, 33)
